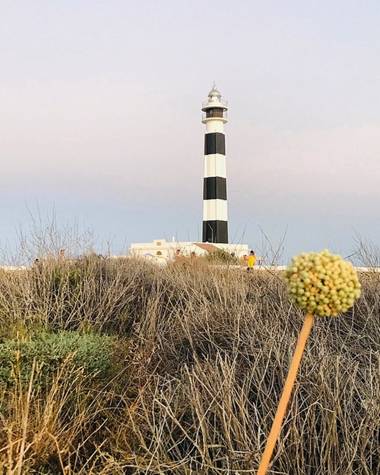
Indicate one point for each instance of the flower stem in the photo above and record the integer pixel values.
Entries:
(286, 393)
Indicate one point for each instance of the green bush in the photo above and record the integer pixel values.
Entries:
(91, 352)
(220, 256)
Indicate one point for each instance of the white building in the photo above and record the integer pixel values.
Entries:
(162, 251)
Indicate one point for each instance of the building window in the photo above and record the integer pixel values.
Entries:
(158, 253)
(158, 243)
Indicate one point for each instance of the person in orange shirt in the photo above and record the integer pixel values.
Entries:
(251, 261)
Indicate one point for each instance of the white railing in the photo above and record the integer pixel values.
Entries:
(220, 103)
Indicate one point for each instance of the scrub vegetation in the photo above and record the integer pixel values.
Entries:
(114, 366)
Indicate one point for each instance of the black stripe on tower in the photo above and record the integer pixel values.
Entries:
(215, 231)
(215, 142)
(214, 188)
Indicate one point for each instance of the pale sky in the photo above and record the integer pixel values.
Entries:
(100, 117)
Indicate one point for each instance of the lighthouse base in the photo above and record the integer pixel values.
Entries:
(215, 232)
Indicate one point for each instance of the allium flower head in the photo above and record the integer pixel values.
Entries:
(322, 283)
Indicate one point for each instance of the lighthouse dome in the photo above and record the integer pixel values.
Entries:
(214, 92)
(214, 101)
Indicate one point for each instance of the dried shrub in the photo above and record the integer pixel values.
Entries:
(203, 354)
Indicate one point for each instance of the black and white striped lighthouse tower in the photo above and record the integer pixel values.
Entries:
(215, 221)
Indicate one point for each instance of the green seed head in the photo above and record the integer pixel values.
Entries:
(322, 283)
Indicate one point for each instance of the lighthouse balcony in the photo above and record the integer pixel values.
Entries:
(206, 119)
(214, 102)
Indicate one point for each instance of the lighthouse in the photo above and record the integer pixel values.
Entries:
(215, 220)
(215, 217)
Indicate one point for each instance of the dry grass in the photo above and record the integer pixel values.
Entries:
(202, 355)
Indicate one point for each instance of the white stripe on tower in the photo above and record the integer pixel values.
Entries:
(215, 210)
(215, 218)
(215, 165)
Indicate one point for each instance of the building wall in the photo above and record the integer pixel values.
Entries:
(162, 251)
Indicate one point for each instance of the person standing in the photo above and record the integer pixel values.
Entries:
(251, 261)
